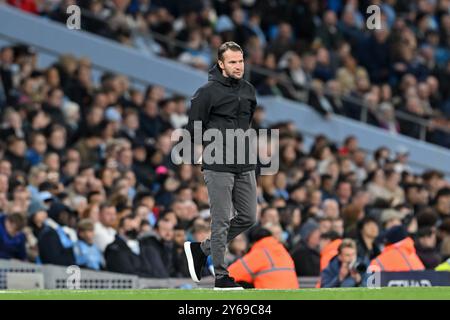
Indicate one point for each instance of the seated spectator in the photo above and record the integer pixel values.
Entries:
(87, 254)
(426, 247)
(12, 238)
(399, 253)
(268, 265)
(368, 231)
(104, 233)
(124, 255)
(180, 257)
(343, 269)
(56, 240)
(306, 254)
(159, 249)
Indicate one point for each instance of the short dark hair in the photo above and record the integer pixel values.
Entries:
(230, 45)
(17, 219)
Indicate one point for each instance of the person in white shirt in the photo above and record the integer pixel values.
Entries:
(104, 232)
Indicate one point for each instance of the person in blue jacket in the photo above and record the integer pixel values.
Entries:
(344, 269)
(12, 238)
(87, 254)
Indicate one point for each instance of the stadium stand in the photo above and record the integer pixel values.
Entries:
(83, 160)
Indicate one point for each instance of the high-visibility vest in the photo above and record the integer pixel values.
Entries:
(445, 266)
(329, 252)
(400, 256)
(268, 265)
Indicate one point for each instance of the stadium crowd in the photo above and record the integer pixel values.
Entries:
(86, 175)
(317, 51)
(86, 178)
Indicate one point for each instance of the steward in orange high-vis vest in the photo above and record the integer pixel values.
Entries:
(399, 253)
(267, 265)
(329, 252)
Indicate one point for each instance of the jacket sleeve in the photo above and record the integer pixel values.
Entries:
(329, 279)
(117, 261)
(199, 111)
(51, 250)
(246, 268)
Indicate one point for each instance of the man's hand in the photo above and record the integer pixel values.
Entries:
(356, 276)
(343, 272)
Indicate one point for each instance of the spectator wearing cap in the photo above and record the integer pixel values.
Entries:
(87, 254)
(399, 254)
(12, 238)
(306, 254)
(57, 239)
(426, 247)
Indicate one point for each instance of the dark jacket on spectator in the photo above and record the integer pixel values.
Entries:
(307, 260)
(52, 250)
(18, 163)
(364, 254)
(159, 255)
(430, 257)
(119, 258)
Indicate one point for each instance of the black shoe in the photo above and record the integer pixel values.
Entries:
(226, 283)
(196, 259)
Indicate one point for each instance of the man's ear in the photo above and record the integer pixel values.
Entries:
(220, 63)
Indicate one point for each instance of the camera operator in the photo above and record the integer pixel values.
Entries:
(344, 270)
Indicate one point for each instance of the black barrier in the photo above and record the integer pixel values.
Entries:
(415, 279)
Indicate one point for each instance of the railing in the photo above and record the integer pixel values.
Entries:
(53, 39)
(424, 124)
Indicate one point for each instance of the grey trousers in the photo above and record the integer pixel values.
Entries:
(228, 192)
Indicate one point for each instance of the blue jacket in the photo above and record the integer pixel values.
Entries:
(330, 276)
(11, 247)
(87, 255)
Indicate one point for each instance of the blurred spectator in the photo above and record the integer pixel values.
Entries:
(104, 232)
(125, 255)
(367, 246)
(426, 248)
(330, 243)
(87, 254)
(267, 265)
(399, 253)
(159, 249)
(306, 254)
(57, 238)
(12, 238)
(342, 270)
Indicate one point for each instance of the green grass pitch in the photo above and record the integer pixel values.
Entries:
(410, 293)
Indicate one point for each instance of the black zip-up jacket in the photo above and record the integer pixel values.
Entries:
(224, 103)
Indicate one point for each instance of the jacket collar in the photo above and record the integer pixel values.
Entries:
(266, 242)
(406, 244)
(215, 74)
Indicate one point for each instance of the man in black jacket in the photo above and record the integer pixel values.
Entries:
(125, 255)
(158, 248)
(226, 102)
